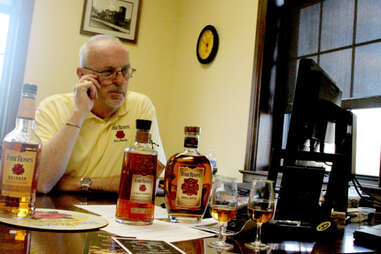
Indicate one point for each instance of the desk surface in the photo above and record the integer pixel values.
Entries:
(99, 241)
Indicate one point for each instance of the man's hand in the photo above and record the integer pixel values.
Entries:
(85, 92)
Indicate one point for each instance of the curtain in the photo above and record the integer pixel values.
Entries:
(20, 12)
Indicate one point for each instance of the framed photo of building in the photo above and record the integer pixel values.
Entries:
(116, 17)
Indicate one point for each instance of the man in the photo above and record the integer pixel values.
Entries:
(84, 133)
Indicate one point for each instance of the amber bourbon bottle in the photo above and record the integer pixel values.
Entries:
(14, 240)
(19, 163)
(136, 199)
(188, 181)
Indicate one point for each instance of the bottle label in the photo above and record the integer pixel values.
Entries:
(18, 170)
(189, 187)
(26, 108)
(139, 210)
(142, 189)
(191, 142)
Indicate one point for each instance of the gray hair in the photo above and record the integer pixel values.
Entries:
(84, 50)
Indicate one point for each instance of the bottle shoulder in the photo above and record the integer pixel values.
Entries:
(18, 136)
(189, 158)
(141, 150)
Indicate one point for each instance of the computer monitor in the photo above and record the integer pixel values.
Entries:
(317, 111)
(315, 96)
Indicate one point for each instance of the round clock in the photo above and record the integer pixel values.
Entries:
(207, 44)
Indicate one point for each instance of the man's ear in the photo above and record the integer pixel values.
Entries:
(80, 72)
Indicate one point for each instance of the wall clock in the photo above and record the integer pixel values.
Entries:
(207, 44)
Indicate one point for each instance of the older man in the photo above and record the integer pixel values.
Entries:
(84, 133)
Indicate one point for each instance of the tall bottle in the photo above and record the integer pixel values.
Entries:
(14, 240)
(188, 181)
(136, 198)
(21, 150)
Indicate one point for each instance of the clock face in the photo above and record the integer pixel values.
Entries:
(207, 44)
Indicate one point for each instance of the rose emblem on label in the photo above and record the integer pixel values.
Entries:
(190, 186)
(18, 169)
(142, 187)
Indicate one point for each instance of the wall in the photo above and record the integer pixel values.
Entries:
(215, 96)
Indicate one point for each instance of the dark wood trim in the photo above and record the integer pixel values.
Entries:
(358, 103)
(351, 88)
(253, 127)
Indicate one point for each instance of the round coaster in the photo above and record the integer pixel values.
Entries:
(62, 220)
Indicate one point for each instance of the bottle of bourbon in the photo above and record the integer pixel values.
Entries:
(14, 240)
(20, 157)
(137, 189)
(188, 181)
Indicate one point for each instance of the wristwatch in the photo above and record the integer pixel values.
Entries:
(85, 183)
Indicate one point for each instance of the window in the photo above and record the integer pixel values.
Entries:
(4, 25)
(15, 23)
(344, 38)
(368, 141)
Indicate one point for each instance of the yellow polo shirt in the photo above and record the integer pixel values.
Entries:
(100, 146)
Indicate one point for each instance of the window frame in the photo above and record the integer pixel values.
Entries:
(348, 103)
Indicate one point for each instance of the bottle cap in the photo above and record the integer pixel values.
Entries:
(193, 129)
(30, 88)
(142, 124)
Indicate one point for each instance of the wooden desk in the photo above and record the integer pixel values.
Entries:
(94, 241)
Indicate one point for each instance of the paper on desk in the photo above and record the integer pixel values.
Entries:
(108, 211)
(159, 230)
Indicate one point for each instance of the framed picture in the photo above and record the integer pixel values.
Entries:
(116, 17)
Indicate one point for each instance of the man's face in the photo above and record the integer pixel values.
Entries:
(105, 58)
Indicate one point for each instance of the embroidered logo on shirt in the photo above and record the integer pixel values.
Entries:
(120, 132)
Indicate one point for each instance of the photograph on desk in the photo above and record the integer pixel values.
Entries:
(134, 246)
(300, 193)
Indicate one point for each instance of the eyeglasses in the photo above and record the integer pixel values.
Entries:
(126, 71)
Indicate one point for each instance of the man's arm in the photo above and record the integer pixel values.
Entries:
(71, 183)
(56, 152)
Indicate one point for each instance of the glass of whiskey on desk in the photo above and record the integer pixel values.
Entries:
(223, 205)
(260, 208)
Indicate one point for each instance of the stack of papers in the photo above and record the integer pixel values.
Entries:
(159, 230)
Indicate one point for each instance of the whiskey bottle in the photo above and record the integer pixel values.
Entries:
(15, 241)
(137, 189)
(20, 157)
(188, 181)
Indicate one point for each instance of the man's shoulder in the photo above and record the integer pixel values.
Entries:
(135, 96)
(135, 99)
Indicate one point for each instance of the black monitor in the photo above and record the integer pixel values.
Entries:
(317, 112)
(315, 96)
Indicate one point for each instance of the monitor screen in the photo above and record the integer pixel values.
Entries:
(315, 94)
(317, 119)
